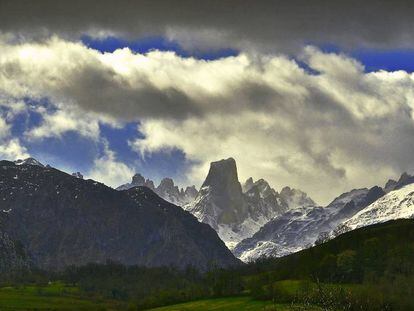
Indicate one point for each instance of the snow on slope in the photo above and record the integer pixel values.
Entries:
(301, 227)
(394, 205)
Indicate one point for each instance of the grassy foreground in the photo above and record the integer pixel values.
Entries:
(52, 297)
(233, 304)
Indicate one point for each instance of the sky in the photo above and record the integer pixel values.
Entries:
(316, 95)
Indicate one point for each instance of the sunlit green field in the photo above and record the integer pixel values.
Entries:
(233, 304)
(58, 296)
(52, 297)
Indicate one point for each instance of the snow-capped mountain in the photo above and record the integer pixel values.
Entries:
(166, 189)
(236, 212)
(395, 204)
(301, 227)
(295, 198)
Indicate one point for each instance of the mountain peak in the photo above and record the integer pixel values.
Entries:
(390, 185)
(220, 200)
(167, 183)
(248, 184)
(138, 179)
(223, 174)
(191, 192)
(28, 161)
(295, 197)
(405, 179)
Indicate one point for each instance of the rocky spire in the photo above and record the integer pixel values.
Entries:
(221, 198)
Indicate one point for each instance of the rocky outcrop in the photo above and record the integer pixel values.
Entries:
(77, 175)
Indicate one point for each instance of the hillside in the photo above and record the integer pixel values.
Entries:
(60, 220)
(373, 252)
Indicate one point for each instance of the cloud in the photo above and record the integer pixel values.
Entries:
(109, 170)
(267, 25)
(10, 148)
(324, 130)
(62, 120)
(325, 133)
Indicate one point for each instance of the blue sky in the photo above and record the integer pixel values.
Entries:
(144, 45)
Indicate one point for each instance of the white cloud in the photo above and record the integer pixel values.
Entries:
(63, 120)
(109, 170)
(10, 148)
(324, 133)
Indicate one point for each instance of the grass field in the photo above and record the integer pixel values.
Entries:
(58, 296)
(233, 304)
(52, 297)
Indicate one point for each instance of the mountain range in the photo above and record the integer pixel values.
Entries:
(50, 219)
(255, 220)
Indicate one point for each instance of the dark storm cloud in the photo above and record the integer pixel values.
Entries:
(98, 90)
(284, 25)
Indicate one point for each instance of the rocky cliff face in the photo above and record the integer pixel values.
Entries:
(62, 220)
(166, 189)
(220, 200)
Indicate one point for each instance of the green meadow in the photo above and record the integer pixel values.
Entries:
(55, 296)
(233, 304)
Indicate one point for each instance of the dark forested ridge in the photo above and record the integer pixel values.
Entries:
(60, 220)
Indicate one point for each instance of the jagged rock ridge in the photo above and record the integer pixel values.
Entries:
(166, 189)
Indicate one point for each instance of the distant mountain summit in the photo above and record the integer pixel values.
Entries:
(56, 220)
(395, 204)
(220, 200)
(237, 211)
(166, 189)
(28, 161)
(303, 226)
